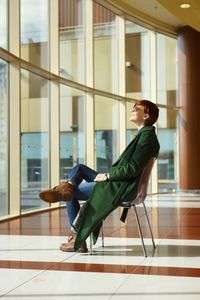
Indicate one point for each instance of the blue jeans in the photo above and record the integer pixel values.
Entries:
(82, 190)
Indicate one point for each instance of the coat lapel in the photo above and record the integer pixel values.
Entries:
(135, 140)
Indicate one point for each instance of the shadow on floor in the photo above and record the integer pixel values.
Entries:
(159, 251)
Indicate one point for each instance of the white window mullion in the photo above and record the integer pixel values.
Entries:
(153, 97)
(88, 17)
(54, 94)
(14, 93)
(121, 83)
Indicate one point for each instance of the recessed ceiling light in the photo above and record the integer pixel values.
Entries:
(185, 5)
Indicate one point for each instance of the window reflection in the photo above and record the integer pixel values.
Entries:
(106, 132)
(72, 129)
(105, 141)
(167, 160)
(105, 49)
(131, 129)
(34, 140)
(3, 24)
(35, 32)
(34, 156)
(71, 37)
(3, 138)
(167, 70)
(167, 123)
(137, 56)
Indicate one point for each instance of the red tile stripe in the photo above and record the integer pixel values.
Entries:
(101, 268)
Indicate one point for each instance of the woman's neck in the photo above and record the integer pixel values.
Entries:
(140, 126)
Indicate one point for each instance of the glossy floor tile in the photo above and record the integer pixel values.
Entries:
(33, 267)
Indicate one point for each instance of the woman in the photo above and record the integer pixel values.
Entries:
(107, 191)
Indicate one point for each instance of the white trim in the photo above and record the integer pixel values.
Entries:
(153, 93)
(14, 93)
(54, 155)
(89, 81)
(121, 83)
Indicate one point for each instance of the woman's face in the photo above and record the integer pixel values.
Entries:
(138, 115)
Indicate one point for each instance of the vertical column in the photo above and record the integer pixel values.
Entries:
(54, 94)
(188, 87)
(154, 177)
(121, 83)
(88, 22)
(14, 92)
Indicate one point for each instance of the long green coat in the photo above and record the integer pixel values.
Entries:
(124, 176)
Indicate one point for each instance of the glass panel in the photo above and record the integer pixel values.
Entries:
(34, 139)
(131, 129)
(106, 132)
(71, 36)
(137, 56)
(3, 138)
(167, 160)
(34, 32)
(3, 24)
(72, 129)
(167, 70)
(105, 49)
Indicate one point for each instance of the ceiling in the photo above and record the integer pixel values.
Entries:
(165, 13)
(190, 16)
(154, 9)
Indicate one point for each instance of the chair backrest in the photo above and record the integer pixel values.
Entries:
(144, 182)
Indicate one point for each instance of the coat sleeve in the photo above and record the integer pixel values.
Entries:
(130, 166)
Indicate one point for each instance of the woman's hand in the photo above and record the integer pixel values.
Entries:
(101, 177)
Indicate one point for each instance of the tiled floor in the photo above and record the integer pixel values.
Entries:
(33, 267)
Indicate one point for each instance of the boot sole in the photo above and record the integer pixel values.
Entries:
(72, 250)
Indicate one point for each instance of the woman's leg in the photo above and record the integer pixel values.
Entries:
(82, 172)
(81, 192)
(64, 191)
(72, 207)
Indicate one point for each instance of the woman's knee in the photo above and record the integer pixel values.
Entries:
(79, 166)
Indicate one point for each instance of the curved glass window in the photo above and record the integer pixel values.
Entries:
(72, 129)
(167, 70)
(106, 132)
(3, 138)
(71, 38)
(137, 61)
(167, 123)
(167, 160)
(105, 49)
(131, 129)
(34, 139)
(3, 24)
(35, 32)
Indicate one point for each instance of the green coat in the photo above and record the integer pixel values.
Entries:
(124, 176)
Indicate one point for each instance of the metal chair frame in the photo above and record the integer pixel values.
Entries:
(140, 229)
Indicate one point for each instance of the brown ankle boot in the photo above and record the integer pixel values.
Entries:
(61, 192)
(66, 189)
(69, 246)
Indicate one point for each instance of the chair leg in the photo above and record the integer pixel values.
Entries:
(140, 232)
(102, 235)
(152, 238)
(91, 242)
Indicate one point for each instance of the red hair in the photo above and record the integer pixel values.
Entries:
(151, 109)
